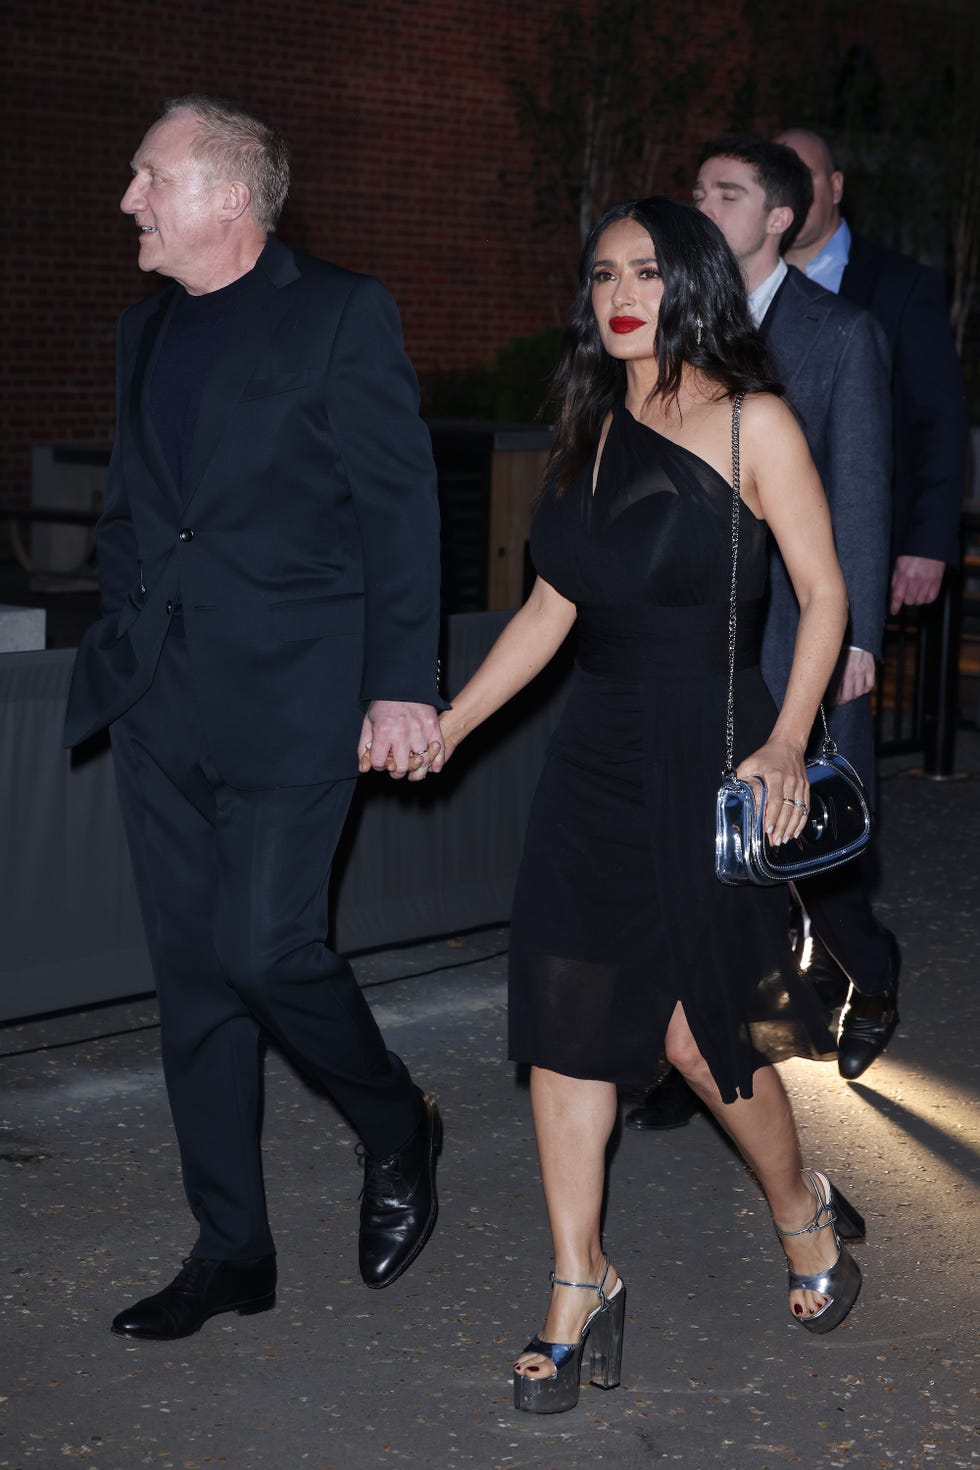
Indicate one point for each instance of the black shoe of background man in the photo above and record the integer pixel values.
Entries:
(670, 1104)
(201, 1289)
(867, 1023)
(816, 965)
(399, 1203)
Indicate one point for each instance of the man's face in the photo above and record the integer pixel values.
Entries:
(828, 189)
(175, 206)
(729, 193)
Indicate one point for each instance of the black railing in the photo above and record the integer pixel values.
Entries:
(928, 656)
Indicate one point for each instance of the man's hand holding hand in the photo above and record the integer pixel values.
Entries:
(401, 738)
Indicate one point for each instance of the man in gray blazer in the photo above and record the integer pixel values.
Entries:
(832, 358)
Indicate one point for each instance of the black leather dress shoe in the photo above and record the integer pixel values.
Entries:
(200, 1290)
(398, 1202)
(670, 1104)
(867, 1024)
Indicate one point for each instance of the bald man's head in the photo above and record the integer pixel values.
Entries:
(828, 190)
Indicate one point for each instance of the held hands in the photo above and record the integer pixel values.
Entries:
(401, 738)
(780, 765)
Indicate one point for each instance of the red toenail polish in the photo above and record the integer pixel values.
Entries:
(798, 1310)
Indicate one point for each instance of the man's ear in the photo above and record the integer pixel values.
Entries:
(235, 199)
(779, 219)
(837, 186)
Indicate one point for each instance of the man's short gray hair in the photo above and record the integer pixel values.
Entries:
(233, 144)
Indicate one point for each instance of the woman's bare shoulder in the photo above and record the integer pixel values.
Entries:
(766, 417)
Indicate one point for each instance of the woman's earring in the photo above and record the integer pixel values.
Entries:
(699, 324)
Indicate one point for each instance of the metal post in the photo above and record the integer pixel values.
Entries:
(941, 681)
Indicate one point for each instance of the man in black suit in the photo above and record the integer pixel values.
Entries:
(268, 560)
(833, 362)
(930, 442)
(930, 414)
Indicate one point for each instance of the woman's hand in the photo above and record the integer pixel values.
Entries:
(787, 803)
(400, 737)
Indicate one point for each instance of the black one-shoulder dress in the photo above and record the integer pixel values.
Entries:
(618, 914)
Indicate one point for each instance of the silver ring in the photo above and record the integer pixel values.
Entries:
(788, 801)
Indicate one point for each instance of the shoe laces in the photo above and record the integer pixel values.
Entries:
(377, 1172)
(193, 1274)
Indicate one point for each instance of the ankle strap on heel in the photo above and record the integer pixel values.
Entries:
(824, 1208)
(586, 1285)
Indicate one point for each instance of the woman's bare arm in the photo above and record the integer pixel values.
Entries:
(781, 484)
(529, 641)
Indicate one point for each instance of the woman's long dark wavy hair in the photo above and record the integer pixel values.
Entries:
(701, 279)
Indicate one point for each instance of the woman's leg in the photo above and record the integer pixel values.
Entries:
(764, 1132)
(572, 1122)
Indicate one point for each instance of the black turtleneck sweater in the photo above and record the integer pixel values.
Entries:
(194, 336)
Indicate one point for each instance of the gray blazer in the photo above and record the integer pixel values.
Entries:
(832, 358)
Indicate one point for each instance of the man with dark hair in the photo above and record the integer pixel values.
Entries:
(269, 568)
(930, 416)
(784, 187)
(833, 361)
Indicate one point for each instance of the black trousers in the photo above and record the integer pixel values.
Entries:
(233, 891)
(841, 915)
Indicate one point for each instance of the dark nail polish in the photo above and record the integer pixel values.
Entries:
(798, 1309)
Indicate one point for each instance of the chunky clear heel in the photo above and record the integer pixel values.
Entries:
(603, 1333)
(841, 1282)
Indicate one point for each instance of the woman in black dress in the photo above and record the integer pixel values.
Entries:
(623, 941)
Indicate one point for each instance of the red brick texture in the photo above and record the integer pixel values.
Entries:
(408, 160)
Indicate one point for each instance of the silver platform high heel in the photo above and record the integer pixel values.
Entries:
(841, 1282)
(604, 1332)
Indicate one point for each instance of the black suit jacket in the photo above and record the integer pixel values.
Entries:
(929, 404)
(304, 550)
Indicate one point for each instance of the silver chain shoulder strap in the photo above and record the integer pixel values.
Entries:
(733, 593)
(829, 747)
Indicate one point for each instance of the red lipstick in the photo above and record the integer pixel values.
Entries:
(624, 324)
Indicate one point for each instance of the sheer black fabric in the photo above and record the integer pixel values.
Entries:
(618, 914)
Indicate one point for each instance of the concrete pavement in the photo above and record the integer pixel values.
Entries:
(339, 1378)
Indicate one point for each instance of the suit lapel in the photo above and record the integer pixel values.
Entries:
(141, 422)
(793, 324)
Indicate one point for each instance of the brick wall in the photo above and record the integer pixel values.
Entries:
(408, 159)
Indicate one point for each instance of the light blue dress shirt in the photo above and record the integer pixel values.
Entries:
(827, 266)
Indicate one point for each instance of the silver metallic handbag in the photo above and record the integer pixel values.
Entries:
(838, 823)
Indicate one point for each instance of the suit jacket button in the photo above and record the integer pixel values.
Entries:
(170, 608)
(186, 534)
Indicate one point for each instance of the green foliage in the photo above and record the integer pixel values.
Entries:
(617, 81)
(904, 128)
(511, 387)
(611, 94)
